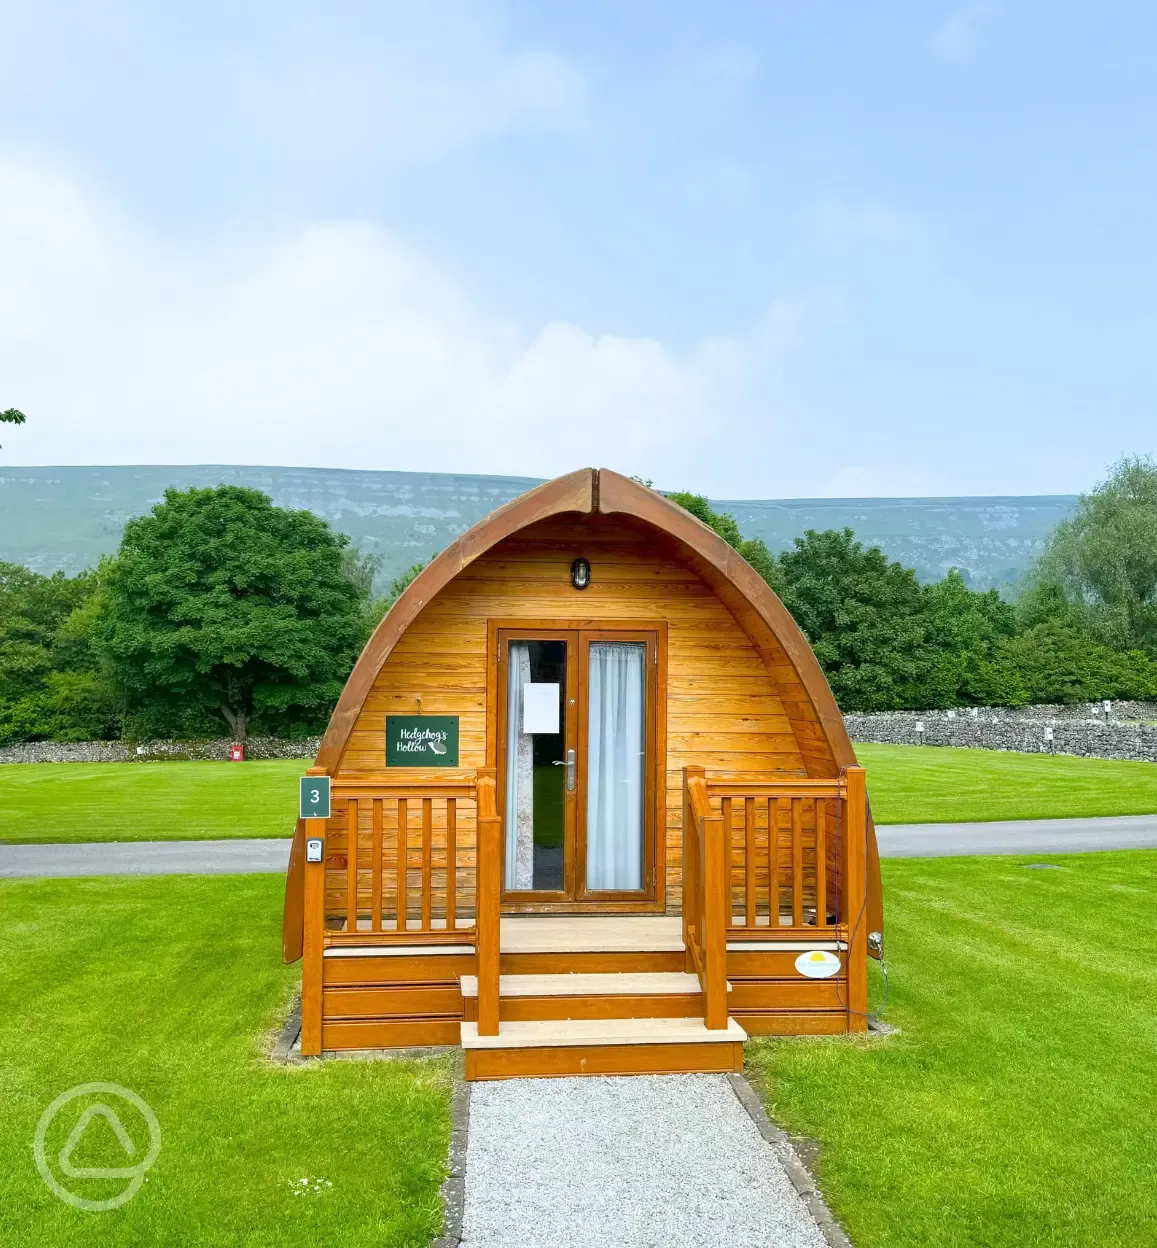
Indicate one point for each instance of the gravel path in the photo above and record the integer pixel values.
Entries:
(669, 1161)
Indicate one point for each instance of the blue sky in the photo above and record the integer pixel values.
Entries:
(764, 250)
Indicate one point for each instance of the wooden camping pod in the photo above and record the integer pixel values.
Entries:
(736, 699)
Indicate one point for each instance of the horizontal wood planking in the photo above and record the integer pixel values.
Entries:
(764, 964)
(353, 1034)
(610, 1059)
(393, 1001)
(794, 1023)
(563, 963)
(727, 711)
(618, 1005)
(445, 968)
(786, 994)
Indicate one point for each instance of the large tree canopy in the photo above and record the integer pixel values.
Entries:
(219, 602)
(50, 682)
(1103, 559)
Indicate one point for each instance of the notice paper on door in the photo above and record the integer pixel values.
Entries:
(540, 708)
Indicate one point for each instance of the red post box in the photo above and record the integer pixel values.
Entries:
(236, 753)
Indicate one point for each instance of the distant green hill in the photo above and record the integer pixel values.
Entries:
(68, 517)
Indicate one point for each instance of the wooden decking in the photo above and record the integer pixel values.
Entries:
(602, 991)
(577, 995)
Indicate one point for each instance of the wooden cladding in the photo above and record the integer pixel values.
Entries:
(724, 708)
(401, 860)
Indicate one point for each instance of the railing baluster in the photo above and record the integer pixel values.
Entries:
(821, 864)
(376, 882)
(730, 868)
(749, 868)
(773, 861)
(797, 862)
(351, 869)
(451, 864)
(403, 865)
(427, 861)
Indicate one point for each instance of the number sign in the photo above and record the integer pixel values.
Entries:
(421, 740)
(314, 797)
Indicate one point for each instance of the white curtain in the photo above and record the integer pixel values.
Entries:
(615, 761)
(519, 775)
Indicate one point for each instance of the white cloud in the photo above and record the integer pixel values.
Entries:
(332, 344)
(959, 36)
(849, 221)
(428, 80)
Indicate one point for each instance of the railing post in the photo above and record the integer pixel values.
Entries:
(716, 907)
(313, 931)
(489, 902)
(855, 914)
(691, 885)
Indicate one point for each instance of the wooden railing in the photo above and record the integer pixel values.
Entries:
(400, 862)
(705, 901)
(788, 849)
(775, 858)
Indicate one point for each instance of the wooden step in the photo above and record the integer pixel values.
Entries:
(579, 944)
(613, 1046)
(522, 998)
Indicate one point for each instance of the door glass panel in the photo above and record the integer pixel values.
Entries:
(616, 753)
(536, 771)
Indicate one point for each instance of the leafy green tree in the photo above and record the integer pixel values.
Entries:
(400, 583)
(863, 616)
(753, 549)
(1103, 559)
(1059, 661)
(12, 417)
(963, 631)
(221, 604)
(51, 683)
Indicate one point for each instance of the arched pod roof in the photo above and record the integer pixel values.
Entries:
(816, 721)
(815, 717)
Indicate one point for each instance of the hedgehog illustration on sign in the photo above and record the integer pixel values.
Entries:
(439, 747)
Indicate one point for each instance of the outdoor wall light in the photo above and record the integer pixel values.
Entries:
(580, 574)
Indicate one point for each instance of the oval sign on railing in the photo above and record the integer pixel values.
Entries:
(817, 964)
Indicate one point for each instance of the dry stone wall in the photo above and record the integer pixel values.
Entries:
(1128, 730)
(153, 751)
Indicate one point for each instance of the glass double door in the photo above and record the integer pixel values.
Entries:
(576, 762)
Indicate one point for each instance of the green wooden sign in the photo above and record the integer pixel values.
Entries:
(421, 740)
(314, 797)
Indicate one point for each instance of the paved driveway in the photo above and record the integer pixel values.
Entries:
(897, 840)
(235, 857)
(1017, 836)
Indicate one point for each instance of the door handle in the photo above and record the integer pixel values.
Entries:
(569, 765)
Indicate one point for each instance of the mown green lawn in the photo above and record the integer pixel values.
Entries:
(1016, 1105)
(166, 986)
(147, 801)
(203, 801)
(935, 784)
